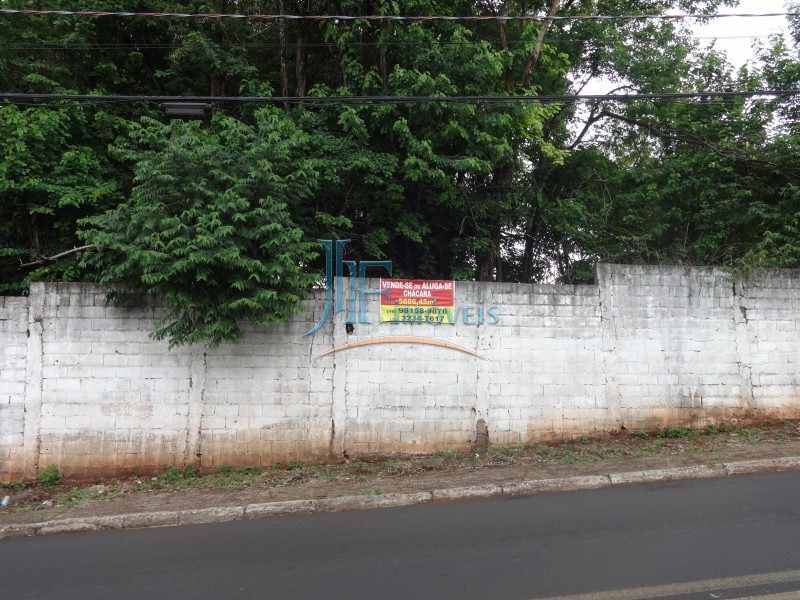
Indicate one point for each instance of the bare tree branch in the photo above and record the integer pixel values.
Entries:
(594, 117)
(43, 260)
(658, 132)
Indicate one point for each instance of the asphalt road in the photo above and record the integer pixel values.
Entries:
(717, 538)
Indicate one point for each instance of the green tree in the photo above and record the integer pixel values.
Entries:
(517, 191)
(208, 227)
(49, 177)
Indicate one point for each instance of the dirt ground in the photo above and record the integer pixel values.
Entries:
(53, 498)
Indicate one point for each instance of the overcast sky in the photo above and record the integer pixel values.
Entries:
(736, 34)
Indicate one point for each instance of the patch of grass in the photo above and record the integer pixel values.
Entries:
(327, 473)
(445, 454)
(543, 449)
(376, 491)
(76, 496)
(50, 476)
(238, 479)
(183, 478)
(432, 462)
(395, 466)
(17, 486)
(649, 449)
(640, 435)
(172, 473)
(570, 458)
(360, 466)
(115, 493)
(500, 454)
(295, 465)
(676, 432)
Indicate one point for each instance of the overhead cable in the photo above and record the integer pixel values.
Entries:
(416, 18)
(18, 98)
(79, 46)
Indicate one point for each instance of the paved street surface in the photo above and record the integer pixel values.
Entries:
(735, 537)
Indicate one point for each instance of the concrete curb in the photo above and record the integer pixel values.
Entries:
(294, 507)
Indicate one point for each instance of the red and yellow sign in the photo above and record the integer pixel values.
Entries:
(417, 301)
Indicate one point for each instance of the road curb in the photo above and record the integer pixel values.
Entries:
(376, 500)
(691, 472)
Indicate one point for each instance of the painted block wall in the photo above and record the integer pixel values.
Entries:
(13, 360)
(83, 386)
(537, 373)
(769, 320)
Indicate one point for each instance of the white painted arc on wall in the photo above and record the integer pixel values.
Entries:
(400, 339)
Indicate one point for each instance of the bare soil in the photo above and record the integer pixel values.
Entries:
(177, 489)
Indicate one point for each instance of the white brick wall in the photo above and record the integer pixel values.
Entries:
(675, 342)
(90, 391)
(13, 357)
(769, 307)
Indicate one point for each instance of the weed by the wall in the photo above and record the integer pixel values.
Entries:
(676, 432)
(172, 473)
(50, 475)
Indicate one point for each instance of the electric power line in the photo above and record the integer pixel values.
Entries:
(45, 45)
(417, 18)
(19, 98)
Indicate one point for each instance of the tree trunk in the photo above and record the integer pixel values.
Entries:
(283, 54)
(533, 57)
(502, 31)
(301, 59)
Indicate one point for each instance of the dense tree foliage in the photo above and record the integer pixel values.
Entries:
(207, 227)
(217, 215)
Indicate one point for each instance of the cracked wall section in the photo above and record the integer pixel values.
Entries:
(769, 312)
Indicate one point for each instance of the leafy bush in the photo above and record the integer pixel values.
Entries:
(676, 432)
(50, 475)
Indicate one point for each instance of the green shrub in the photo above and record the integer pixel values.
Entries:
(676, 432)
(172, 473)
(50, 475)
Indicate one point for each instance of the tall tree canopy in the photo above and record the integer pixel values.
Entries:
(217, 215)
